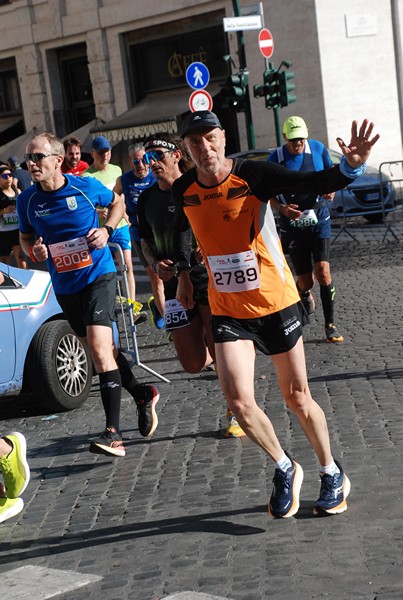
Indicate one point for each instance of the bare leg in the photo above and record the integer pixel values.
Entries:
(190, 346)
(292, 378)
(236, 362)
(157, 287)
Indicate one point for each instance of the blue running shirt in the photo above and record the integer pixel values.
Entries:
(63, 218)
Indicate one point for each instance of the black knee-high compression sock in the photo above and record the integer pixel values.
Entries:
(327, 294)
(110, 384)
(129, 381)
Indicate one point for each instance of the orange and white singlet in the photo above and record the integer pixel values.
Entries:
(248, 274)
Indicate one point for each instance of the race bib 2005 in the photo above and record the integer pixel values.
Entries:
(235, 272)
(70, 255)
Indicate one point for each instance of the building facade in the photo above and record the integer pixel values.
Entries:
(123, 63)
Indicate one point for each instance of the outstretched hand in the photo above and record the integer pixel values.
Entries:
(360, 146)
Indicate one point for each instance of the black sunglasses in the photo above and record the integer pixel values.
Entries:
(6, 175)
(155, 155)
(36, 156)
(137, 161)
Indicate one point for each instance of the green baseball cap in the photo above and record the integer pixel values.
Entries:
(295, 127)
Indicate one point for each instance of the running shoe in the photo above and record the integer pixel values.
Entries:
(9, 507)
(108, 443)
(284, 501)
(139, 317)
(234, 430)
(333, 493)
(308, 302)
(156, 319)
(14, 466)
(148, 419)
(332, 335)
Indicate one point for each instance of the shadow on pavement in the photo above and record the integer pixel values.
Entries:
(211, 522)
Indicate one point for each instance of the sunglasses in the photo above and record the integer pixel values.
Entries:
(155, 155)
(137, 161)
(6, 175)
(36, 156)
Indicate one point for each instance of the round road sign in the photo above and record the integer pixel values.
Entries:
(266, 43)
(200, 100)
(197, 75)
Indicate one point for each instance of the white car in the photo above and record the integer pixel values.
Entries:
(39, 352)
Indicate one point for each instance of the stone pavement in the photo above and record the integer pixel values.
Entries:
(184, 515)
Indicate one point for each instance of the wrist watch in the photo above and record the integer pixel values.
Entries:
(109, 229)
(180, 266)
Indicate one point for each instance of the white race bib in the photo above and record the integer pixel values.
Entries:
(175, 315)
(70, 255)
(10, 218)
(235, 272)
(307, 219)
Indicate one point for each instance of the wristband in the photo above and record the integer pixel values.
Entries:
(32, 256)
(109, 229)
(351, 172)
(154, 266)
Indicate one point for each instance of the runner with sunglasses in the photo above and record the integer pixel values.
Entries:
(107, 173)
(131, 184)
(158, 223)
(9, 238)
(59, 224)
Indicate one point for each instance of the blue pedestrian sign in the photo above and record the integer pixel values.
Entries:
(197, 75)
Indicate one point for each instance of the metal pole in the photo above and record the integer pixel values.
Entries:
(250, 132)
(279, 139)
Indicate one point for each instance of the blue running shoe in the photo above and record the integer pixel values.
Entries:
(334, 490)
(284, 501)
(156, 318)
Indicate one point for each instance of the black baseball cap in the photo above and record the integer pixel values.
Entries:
(199, 118)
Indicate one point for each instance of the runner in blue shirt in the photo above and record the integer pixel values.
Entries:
(131, 184)
(59, 224)
(305, 225)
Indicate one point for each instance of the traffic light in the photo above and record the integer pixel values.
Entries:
(285, 87)
(235, 89)
(269, 89)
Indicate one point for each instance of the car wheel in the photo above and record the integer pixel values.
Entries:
(375, 218)
(58, 367)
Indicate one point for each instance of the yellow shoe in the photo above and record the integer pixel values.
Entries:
(9, 507)
(234, 430)
(14, 466)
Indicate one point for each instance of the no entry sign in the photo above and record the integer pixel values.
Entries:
(266, 44)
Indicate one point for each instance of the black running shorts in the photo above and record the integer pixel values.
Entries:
(273, 334)
(305, 249)
(93, 305)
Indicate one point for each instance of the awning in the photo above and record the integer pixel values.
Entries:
(7, 122)
(156, 112)
(84, 134)
(17, 147)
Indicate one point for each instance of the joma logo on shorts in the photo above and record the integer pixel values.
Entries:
(212, 196)
(292, 327)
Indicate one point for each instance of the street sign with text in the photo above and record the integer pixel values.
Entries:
(242, 23)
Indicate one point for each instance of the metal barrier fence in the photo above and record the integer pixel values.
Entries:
(126, 328)
(375, 206)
